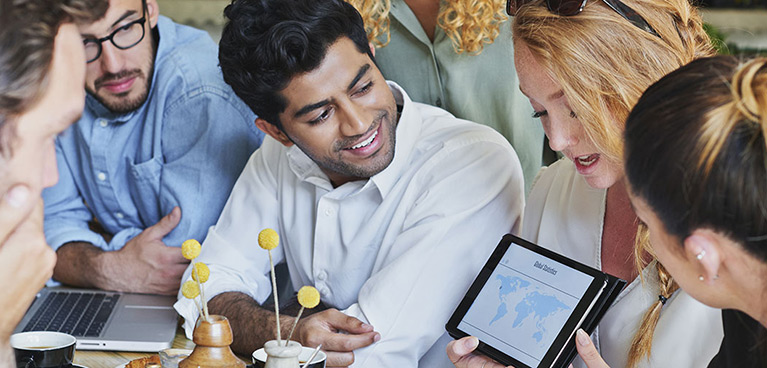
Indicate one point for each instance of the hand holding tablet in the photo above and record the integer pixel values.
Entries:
(527, 303)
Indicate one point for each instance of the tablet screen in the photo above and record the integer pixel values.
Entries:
(524, 304)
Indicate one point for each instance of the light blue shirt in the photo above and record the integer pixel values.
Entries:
(184, 147)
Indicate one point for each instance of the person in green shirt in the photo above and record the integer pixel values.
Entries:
(457, 55)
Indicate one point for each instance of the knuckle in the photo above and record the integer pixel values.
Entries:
(352, 321)
(311, 340)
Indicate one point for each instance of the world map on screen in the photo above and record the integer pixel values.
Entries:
(535, 312)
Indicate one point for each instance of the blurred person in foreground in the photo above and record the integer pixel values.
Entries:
(41, 74)
(152, 160)
(387, 206)
(696, 164)
(583, 66)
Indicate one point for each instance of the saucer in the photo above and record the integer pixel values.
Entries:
(122, 365)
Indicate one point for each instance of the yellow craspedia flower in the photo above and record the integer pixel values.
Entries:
(202, 271)
(308, 297)
(268, 239)
(190, 249)
(190, 289)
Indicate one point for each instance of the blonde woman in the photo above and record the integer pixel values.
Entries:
(456, 55)
(583, 66)
(706, 126)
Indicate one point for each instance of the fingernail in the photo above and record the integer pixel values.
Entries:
(365, 325)
(471, 343)
(17, 196)
(583, 338)
(377, 337)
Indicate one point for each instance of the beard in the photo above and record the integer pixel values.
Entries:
(375, 165)
(121, 103)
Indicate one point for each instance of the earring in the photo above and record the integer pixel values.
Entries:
(701, 278)
(700, 255)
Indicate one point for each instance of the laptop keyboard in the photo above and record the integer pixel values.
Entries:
(78, 314)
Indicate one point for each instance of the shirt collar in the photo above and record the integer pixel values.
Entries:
(407, 133)
(167, 34)
(402, 13)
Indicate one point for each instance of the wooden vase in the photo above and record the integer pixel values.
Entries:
(279, 356)
(212, 339)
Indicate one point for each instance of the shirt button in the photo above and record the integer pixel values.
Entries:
(102, 176)
(325, 291)
(103, 123)
(119, 215)
(322, 275)
(329, 212)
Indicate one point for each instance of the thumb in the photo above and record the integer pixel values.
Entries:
(15, 205)
(588, 351)
(350, 324)
(459, 348)
(166, 224)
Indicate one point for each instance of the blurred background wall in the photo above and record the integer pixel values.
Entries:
(741, 23)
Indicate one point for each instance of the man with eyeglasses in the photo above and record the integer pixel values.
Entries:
(153, 158)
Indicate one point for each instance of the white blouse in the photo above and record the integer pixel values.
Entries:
(566, 215)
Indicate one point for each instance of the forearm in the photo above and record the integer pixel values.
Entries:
(251, 324)
(82, 264)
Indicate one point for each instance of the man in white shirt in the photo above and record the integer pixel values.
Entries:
(390, 231)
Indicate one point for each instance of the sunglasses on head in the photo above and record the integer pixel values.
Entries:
(568, 8)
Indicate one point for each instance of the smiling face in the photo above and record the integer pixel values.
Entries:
(342, 115)
(562, 127)
(32, 159)
(120, 79)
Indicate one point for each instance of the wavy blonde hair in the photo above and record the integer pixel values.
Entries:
(470, 24)
(604, 63)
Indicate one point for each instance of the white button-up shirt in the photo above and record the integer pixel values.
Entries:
(397, 251)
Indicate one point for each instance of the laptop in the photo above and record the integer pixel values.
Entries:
(104, 320)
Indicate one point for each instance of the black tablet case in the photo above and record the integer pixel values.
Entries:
(603, 303)
(611, 291)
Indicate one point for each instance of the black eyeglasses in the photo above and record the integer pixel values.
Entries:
(569, 8)
(123, 38)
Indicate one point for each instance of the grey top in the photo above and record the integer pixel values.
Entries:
(482, 88)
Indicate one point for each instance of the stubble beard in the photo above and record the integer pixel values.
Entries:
(378, 163)
(120, 103)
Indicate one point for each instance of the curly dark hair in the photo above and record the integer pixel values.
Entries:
(27, 33)
(266, 43)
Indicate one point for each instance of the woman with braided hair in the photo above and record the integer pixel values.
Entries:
(584, 65)
(456, 55)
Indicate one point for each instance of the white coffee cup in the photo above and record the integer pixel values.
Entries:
(259, 357)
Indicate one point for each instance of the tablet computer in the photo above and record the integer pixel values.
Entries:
(527, 302)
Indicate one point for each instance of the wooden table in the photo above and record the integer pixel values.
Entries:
(112, 359)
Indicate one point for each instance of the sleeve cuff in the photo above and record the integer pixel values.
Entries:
(75, 235)
(122, 237)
